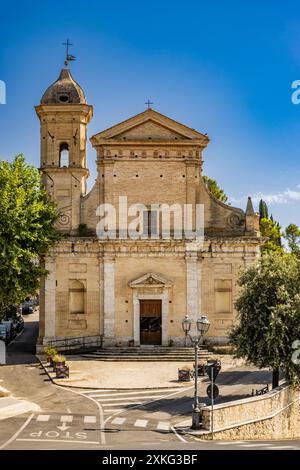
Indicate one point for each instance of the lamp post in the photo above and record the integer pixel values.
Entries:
(186, 326)
(203, 325)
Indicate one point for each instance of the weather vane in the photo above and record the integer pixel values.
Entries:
(69, 57)
(148, 103)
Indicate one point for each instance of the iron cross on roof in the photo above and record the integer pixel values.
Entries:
(148, 103)
(69, 57)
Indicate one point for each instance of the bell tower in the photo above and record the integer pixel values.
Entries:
(64, 115)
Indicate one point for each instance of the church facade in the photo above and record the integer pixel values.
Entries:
(123, 290)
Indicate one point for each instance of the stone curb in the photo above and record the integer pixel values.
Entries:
(56, 382)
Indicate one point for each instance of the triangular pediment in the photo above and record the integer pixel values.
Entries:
(150, 280)
(147, 126)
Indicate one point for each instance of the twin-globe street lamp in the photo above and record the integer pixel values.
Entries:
(203, 325)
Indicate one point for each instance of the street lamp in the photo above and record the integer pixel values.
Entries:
(186, 326)
(203, 325)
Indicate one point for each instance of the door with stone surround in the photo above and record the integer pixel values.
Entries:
(150, 322)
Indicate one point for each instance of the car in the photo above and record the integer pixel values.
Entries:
(4, 333)
(18, 322)
(28, 306)
(16, 318)
(11, 328)
(27, 309)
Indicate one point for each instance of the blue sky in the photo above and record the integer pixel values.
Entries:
(224, 68)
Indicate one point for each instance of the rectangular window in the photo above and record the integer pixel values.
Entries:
(150, 222)
(223, 296)
(76, 297)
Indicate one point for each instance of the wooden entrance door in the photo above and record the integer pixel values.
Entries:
(150, 321)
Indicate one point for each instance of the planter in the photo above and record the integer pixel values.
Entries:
(57, 365)
(62, 371)
(50, 360)
(184, 375)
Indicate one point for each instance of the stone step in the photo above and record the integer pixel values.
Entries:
(148, 351)
(144, 357)
(146, 348)
(140, 359)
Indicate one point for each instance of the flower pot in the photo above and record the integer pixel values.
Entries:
(62, 372)
(184, 375)
(58, 364)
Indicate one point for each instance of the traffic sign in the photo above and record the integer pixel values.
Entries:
(212, 391)
(212, 370)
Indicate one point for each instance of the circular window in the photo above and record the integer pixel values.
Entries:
(63, 98)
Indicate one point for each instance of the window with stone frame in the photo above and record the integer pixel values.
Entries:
(223, 295)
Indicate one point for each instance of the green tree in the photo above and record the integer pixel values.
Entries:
(268, 308)
(26, 231)
(263, 210)
(272, 230)
(292, 235)
(215, 189)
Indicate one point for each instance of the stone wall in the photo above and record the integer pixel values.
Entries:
(275, 415)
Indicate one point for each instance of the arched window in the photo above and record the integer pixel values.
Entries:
(63, 155)
(77, 297)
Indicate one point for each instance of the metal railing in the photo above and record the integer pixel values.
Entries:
(261, 391)
(78, 344)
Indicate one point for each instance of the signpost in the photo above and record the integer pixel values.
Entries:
(212, 369)
(212, 391)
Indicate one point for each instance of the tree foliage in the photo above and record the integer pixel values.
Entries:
(263, 210)
(292, 235)
(215, 189)
(268, 307)
(26, 230)
(272, 230)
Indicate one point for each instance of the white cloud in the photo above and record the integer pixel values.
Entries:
(282, 197)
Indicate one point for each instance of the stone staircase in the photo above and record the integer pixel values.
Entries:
(147, 353)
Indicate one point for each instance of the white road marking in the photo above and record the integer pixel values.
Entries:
(229, 443)
(141, 423)
(121, 404)
(90, 419)
(92, 392)
(118, 420)
(280, 447)
(136, 392)
(254, 445)
(17, 433)
(129, 398)
(178, 435)
(43, 418)
(101, 414)
(163, 426)
(114, 410)
(58, 440)
(66, 419)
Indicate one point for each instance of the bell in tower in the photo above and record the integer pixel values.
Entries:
(64, 115)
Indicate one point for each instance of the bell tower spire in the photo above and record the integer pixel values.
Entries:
(64, 114)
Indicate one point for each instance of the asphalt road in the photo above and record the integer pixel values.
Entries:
(108, 419)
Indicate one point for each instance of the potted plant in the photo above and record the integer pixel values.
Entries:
(50, 352)
(58, 360)
(185, 374)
